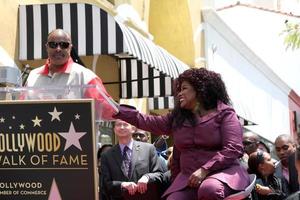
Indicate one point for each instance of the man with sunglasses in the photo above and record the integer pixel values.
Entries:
(60, 70)
(250, 142)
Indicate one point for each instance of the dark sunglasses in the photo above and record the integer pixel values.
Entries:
(54, 45)
(141, 135)
(247, 143)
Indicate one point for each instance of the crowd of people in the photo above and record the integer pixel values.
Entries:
(211, 157)
(276, 178)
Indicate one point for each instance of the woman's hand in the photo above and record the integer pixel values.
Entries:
(197, 177)
(263, 190)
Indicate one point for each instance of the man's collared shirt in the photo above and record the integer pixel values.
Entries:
(86, 81)
(69, 74)
(129, 145)
(285, 173)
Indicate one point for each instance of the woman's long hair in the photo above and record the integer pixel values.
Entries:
(209, 87)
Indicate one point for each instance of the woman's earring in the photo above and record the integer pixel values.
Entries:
(197, 108)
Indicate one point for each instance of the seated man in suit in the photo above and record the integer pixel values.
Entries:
(131, 167)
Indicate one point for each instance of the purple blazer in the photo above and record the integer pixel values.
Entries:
(215, 144)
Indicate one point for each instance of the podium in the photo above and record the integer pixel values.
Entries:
(48, 142)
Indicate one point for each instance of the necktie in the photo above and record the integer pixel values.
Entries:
(126, 161)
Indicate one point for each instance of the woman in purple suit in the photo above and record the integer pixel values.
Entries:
(207, 138)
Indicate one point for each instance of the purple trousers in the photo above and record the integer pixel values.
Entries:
(210, 189)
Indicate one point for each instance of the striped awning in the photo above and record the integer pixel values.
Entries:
(93, 31)
(245, 122)
(140, 80)
(158, 103)
(107, 124)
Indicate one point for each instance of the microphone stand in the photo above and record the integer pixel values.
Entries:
(20, 78)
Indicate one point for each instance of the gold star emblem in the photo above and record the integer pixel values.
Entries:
(36, 121)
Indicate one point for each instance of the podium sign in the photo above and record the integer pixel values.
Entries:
(47, 150)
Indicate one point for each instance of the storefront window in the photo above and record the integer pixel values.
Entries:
(106, 135)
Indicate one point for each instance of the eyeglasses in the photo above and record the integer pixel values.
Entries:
(247, 143)
(136, 134)
(54, 45)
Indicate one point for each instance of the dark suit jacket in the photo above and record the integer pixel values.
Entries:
(144, 162)
(293, 175)
(294, 196)
(152, 193)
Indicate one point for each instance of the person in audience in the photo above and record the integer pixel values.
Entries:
(160, 144)
(131, 168)
(207, 138)
(297, 161)
(296, 194)
(251, 143)
(167, 175)
(140, 135)
(101, 150)
(298, 137)
(293, 173)
(167, 153)
(268, 186)
(263, 147)
(285, 148)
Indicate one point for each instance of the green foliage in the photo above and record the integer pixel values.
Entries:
(292, 35)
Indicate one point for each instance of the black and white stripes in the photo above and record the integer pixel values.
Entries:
(93, 32)
(148, 71)
(140, 80)
(158, 103)
(151, 54)
(245, 122)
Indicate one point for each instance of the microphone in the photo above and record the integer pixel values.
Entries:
(20, 78)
